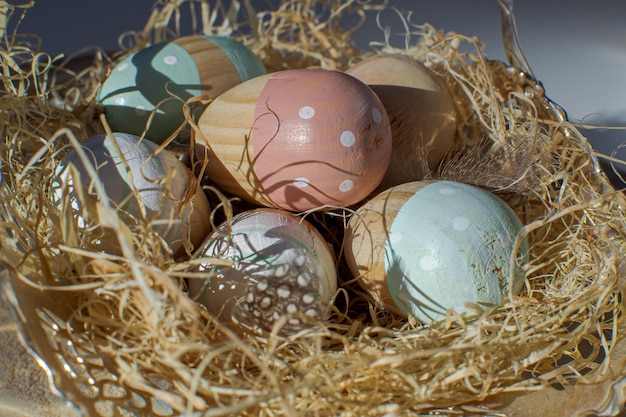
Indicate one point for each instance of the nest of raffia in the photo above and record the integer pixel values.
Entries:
(121, 337)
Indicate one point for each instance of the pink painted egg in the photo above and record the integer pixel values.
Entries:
(297, 139)
(421, 112)
(281, 266)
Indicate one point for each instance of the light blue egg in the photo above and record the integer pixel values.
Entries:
(164, 76)
(449, 244)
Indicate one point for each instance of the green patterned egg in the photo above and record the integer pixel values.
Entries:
(164, 75)
(424, 247)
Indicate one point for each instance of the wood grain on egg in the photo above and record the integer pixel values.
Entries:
(424, 247)
(165, 75)
(366, 239)
(421, 112)
(297, 139)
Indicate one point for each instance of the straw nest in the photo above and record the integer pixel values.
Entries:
(122, 337)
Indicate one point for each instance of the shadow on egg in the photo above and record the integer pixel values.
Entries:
(397, 278)
(164, 94)
(275, 273)
(415, 151)
(293, 195)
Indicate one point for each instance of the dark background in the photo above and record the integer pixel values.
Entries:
(577, 48)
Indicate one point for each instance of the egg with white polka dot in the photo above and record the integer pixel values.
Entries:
(147, 186)
(152, 84)
(424, 247)
(297, 140)
(421, 111)
(282, 267)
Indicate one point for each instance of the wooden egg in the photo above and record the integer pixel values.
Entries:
(167, 74)
(427, 246)
(158, 182)
(282, 266)
(297, 140)
(421, 112)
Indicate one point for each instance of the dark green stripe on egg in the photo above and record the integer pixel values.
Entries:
(424, 247)
(165, 75)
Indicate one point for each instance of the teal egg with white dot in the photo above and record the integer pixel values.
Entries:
(152, 84)
(424, 247)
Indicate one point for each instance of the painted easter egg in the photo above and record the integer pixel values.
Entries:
(421, 112)
(282, 266)
(297, 139)
(424, 247)
(145, 186)
(165, 75)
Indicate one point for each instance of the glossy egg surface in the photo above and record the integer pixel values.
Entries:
(297, 139)
(421, 112)
(282, 265)
(428, 246)
(165, 75)
(142, 184)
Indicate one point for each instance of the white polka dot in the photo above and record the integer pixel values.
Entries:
(376, 115)
(306, 112)
(346, 186)
(428, 263)
(347, 138)
(170, 60)
(291, 308)
(447, 191)
(301, 182)
(140, 111)
(460, 223)
(122, 66)
(283, 291)
(394, 237)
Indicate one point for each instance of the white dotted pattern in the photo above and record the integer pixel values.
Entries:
(428, 263)
(394, 237)
(170, 60)
(301, 182)
(460, 223)
(345, 186)
(376, 115)
(306, 112)
(347, 138)
(447, 191)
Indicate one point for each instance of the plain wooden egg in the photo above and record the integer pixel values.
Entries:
(282, 265)
(142, 184)
(165, 75)
(421, 112)
(424, 247)
(297, 139)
